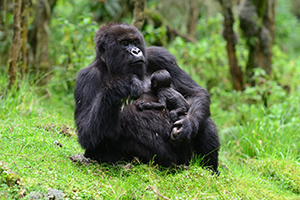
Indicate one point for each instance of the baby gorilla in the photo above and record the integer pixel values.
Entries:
(167, 96)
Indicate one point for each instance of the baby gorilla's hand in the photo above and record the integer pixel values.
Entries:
(173, 116)
(145, 105)
(142, 105)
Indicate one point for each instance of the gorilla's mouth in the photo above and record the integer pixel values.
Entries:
(126, 101)
(137, 62)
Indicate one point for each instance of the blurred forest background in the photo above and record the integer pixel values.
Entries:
(246, 53)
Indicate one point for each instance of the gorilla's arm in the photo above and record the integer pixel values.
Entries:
(198, 97)
(98, 105)
(174, 101)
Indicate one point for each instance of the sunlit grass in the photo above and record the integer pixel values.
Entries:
(258, 159)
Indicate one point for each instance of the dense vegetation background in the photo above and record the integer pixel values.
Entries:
(258, 122)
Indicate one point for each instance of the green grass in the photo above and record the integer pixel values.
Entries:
(259, 159)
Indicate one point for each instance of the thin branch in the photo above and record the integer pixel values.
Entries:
(154, 190)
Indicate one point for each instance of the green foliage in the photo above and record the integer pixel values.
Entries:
(3, 34)
(204, 61)
(72, 48)
(112, 7)
(208, 26)
(155, 35)
(287, 28)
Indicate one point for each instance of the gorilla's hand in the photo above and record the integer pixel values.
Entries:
(182, 131)
(123, 88)
(135, 87)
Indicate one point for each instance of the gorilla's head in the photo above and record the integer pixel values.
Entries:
(160, 79)
(122, 48)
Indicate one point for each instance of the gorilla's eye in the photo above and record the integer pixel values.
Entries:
(136, 42)
(124, 43)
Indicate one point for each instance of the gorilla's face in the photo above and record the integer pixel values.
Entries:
(132, 48)
(122, 49)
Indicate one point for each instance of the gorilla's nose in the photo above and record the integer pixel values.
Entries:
(136, 52)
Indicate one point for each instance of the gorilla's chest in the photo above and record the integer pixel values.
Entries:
(147, 84)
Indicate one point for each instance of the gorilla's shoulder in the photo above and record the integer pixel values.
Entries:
(89, 73)
(159, 57)
(156, 53)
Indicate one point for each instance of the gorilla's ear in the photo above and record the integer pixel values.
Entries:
(101, 50)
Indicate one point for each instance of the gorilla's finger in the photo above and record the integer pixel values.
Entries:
(175, 131)
(179, 123)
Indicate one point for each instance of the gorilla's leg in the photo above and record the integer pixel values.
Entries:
(206, 144)
(147, 135)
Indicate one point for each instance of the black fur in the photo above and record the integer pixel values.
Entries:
(168, 98)
(108, 132)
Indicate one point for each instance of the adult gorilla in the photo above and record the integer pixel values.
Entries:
(110, 131)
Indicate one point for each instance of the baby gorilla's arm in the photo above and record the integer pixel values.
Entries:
(174, 101)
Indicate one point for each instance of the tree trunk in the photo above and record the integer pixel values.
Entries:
(38, 38)
(5, 28)
(2, 12)
(193, 17)
(14, 51)
(25, 17)
(139, 13)
(296, 8)
(267, 35)
(231, 38)
(257, 21)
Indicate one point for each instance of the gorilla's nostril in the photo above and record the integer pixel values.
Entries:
(136, 52)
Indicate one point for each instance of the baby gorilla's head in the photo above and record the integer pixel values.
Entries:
(160, 79)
